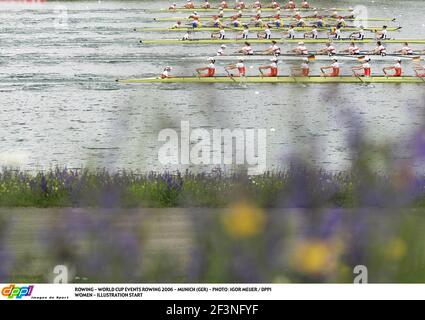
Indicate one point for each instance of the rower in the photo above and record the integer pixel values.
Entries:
(166, 73)
(256, 5)
(235, 22)
(265, 34)
(358, 35)
(396, 68)
(290, 5)
(313, 34)
(206, 5)
(351, 15)
(189, 4)
(258, 22)
(352, 49)
(305, 4)
(220, 34)
(220, 12)
(220, 51)
(277, 22)
(272, 67)
(210, 69)
(329, 50)
(177, 25)
(187, 36)
(383, 34)
(334, 67)
(244, 34)
(240, 66)
(196, 23)
(315, 15)
(240, 5)
(320, 22)
(364, 67)
(405, 50)
(301, 49)
(303, 70)
(341, 22)
(290, 34)
(380, 49)
(194, 15)
(419, 70)
(224, 4)
(299, 22)
(246, 50)
(173, 6)
(334, 15)
(335, 34)
(217, 22)
(273, 49)
(274, 4)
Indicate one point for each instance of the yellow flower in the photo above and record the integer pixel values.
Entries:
(316, 257)
(396, 249)
(243, 220)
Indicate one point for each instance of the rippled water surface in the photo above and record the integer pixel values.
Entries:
(60, 103)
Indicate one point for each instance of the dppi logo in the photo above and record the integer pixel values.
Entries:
(13, 291)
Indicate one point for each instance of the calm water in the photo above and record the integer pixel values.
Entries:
(60, 104)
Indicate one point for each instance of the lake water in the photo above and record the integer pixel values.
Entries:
(60, 104)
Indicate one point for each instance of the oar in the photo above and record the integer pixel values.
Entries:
(358, 76)
(229, 75)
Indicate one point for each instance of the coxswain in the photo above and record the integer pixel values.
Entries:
(329, 50)
(405, 50)
(265, 34)
(272, 67)
(341, 22)
(303, 70)
(383, 34)
(305, 4)
(166, 73)
(396, 68)
(290, 34)
(290, 5)
(246, 50)
(334, 67)
(301, 49)
(313, 34)
(173, 6)
(189, 5)
(187, 36)
(206, 5)
(335, 34)
(364, 68)
(220, 34)
(224, 5)
(177, 25)
(352, 49)
(220, 51)
(273, 49)
(380, 49)
(244, 34)
(210, 69)
(358, 35)
(240, 66)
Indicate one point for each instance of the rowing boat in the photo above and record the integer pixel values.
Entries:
(278, 40)
(281, 79)
(286, 57)
(248, 9)
(209, 18)
(307, 28)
